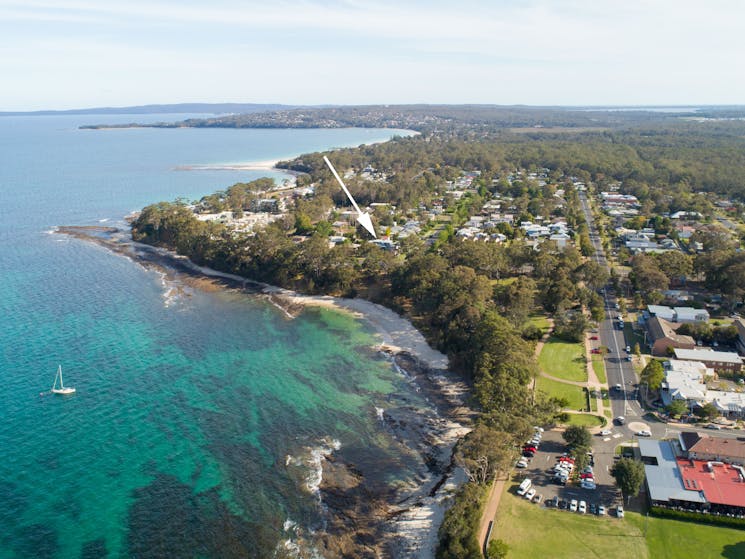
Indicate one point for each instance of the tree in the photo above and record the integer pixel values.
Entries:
(497, 549)
(577, 436)
(484, 454)
(653, 374)
(647, 274)
(707, 411)
(677, 408)
(629, 475)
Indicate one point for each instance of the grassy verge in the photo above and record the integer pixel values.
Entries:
(587, 420)
(563, 360)
(574, 394)
(598, 364)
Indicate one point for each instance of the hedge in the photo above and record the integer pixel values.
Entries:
(699, 518)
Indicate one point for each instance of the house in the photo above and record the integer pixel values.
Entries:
(717, 360)
(698, 446)
(662, 337)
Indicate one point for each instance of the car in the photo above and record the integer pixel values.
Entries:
(552, 502)
(522, 463)
(588, 484)
(538, 429)
(618, 388)
(582, 509)
(573, 505)
(644, 433)
(562, 504)
(601, 510)
(559, 480)
(535, 441)
(619, 511)
(714, 426)
(530, 494)
(524, 486)
(530, 448)
(528, 454)
(620, 420)
(593, 337)
(537, 499)
(592, 508)
(568, 459)
(628, 349)
(586, 476)
(606, 433)
(587, 470)
(628, 358)
(595, 350)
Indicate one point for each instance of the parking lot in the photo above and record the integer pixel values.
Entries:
(539, 471)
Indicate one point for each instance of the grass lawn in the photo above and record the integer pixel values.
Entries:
(532, 531)
(671, 539)
(535, 532)
(563, 360)
(598, 364)
(574, 394)
(539, 320)
(587, 420)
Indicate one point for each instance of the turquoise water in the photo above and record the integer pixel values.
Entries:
(198, 419)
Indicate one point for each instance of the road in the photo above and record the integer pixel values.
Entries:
(619, 370)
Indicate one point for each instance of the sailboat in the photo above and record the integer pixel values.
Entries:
(62, 389)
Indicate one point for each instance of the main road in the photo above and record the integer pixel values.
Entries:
(620, 371)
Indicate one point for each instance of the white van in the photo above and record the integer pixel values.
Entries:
(524, 487)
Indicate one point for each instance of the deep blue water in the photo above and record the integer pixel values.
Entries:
(198, 419)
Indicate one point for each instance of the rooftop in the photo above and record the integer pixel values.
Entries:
(707, 355)
(664, 479)
(722, 484)
(717, 446)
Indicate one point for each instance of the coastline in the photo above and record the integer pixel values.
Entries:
(404, 522)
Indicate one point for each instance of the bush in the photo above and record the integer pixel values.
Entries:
(532, 332)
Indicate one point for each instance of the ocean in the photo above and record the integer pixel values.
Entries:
(200, 419)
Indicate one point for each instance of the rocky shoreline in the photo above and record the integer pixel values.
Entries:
(362, 519)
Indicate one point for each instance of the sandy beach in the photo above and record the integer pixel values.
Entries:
(268, 165)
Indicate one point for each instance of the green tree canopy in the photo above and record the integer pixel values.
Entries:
(629, 475)
(577, 436)
(653, 374)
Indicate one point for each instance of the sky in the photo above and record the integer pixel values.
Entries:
(60, 54)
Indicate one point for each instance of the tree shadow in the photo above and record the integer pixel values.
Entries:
(734, 551)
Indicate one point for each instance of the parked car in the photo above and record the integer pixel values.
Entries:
(522, 463)
(592, 508)
(628, 358)
(587, 470)
(628, 349)
(618, 388)
(588, 484)
(595, 350)
(582, 507)
(593, 337)
(573, 505)
(528, 454)
(562, 504)
(530, 448)
(619, 511)
(530, 494)
(713, 426)
(644, 433)
(620, 420)
(524, 486)
(552, 502)
(537, 499)
(601, 510)
(606, 433)
(586, 476)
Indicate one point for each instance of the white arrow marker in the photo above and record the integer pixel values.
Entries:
(363, 218)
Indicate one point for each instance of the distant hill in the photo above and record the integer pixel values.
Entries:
(205, 108)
